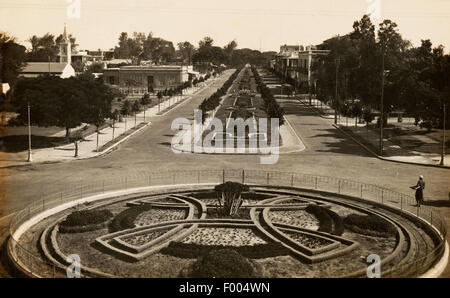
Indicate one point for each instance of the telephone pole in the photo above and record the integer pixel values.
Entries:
(443, 140)
(336, 101)
(382, 99)
(30, 157)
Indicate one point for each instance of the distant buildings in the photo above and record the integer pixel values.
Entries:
(294, 63)
(142, 79)
(36, 69)
(62, 69)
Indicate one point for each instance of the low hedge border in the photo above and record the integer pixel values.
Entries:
(193, 251)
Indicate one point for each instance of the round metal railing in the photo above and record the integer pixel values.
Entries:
(33, 264)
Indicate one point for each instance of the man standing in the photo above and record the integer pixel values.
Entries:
(420, 186)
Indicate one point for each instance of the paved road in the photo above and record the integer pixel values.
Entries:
(328, 153)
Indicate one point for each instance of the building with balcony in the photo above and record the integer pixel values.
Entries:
(294, 63)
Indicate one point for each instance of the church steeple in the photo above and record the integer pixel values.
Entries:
(65, 48)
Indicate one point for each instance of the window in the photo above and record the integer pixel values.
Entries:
(111, 80)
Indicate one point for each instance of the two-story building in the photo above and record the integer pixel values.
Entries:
(294, 63)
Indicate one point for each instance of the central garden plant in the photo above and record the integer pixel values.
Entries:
(229, 195)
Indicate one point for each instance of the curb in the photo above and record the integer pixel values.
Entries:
(384, 158)
(370, 151)
(99, 154)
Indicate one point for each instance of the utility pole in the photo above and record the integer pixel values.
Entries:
(382, 99)
(30, 158)
(443, 140)
(336, 101)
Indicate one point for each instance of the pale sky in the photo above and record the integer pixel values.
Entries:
(257, 24)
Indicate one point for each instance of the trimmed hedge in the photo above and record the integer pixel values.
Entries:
(125, 219)
(368, 224)
(273, 109)
(330, 222)
(246, 195)
(223, 263)
(192, 250)
(86, 218)
(214, 100)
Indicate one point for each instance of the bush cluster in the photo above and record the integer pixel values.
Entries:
(86, 217)
(251, 195)
(213, 101)
(192, 250)
(330, 222)
(273, 109)
(366, 224)
(223, 263)
(125, 219)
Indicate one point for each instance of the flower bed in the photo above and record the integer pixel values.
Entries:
(139, 240)
(299, 218)
(223, 236)
(156, 215)
(308, 241)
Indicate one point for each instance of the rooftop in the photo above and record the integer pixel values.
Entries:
(43, 67)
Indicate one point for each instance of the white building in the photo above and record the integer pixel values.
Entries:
(62, 69)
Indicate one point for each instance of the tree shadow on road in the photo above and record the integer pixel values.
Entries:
(438, 203)
(340, 144)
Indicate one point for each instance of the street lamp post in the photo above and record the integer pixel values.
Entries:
(30, 158)
(443, 140)
(382, 101)
(337, 61)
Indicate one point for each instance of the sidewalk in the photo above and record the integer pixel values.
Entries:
(108, 138)
(410, 147)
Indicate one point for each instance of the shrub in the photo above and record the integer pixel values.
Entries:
(223, 263)
(86, 217)
(330, 222)
(125, 219)
(326, 224)
(367, 224)
(193, 250)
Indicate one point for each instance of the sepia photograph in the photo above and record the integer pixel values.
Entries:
(224, 145)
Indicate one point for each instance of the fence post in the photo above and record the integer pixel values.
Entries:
(198, 177)
(401, 203)
(339, 186)
(267, 178)
(243, 176)
(292, 180)
(223, 176)
(382, 196)
(315, 184)
(361, 191)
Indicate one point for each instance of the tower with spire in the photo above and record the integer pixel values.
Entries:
(65, 48)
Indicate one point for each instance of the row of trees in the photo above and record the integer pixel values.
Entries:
(415, 78)
(213, 101)
(140, 47)
(273, 109)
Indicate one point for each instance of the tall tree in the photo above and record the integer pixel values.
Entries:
(186, 50)
(12, 56)
(43, 48)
